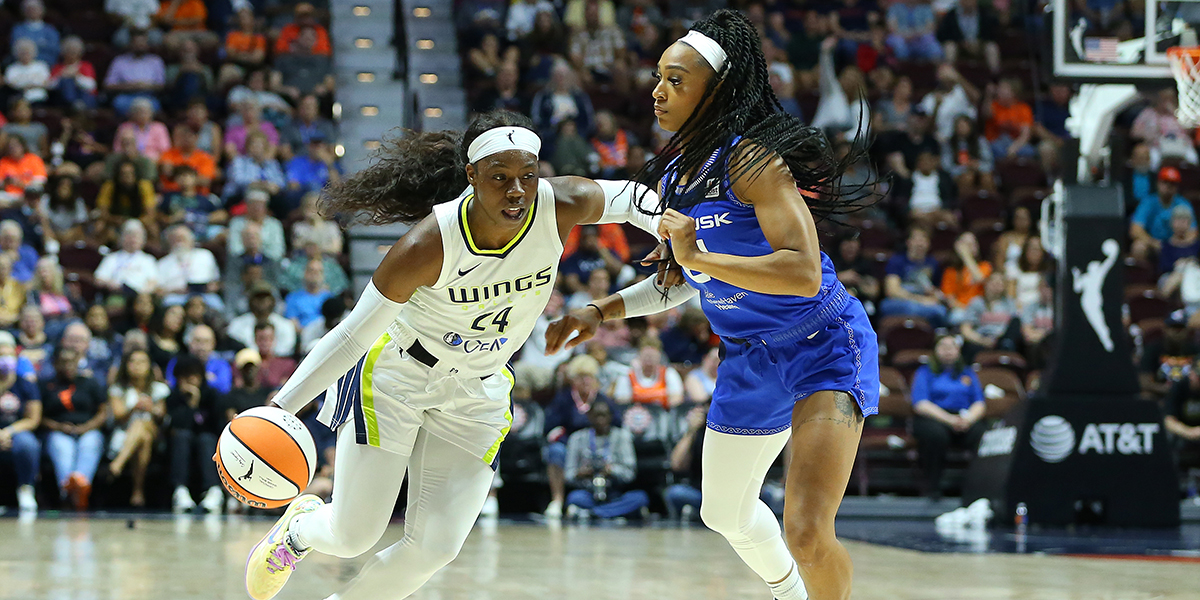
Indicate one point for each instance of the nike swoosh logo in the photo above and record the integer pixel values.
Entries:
(462, 273)
(813, 335)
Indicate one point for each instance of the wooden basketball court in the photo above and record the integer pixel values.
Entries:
(193, 558)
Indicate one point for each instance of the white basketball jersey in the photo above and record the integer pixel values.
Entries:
(485, 303)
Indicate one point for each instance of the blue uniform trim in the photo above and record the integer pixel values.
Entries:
(747, 431)
(859, 395)
(349, 389)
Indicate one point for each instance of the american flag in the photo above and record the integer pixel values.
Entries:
(1100, 49)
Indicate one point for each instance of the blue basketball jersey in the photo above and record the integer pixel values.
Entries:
(725, 225)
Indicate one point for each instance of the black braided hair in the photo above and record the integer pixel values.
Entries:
(413, 172)
(739, 101)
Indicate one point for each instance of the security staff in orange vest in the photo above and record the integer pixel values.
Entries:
(650, 380)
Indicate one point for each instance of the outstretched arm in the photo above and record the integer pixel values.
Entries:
(414, 261)
(645, 297)
(582, 201)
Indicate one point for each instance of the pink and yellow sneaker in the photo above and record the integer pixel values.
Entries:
(272, 561)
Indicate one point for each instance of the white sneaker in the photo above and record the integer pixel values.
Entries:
(212, 501)
(26, 499)
(491, 507)
(182, 500)
(554, 510)
(232, 506)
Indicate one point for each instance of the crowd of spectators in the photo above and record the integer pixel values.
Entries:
(162, 263)
(949, 251)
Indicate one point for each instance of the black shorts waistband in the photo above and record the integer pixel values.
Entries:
(421, 355)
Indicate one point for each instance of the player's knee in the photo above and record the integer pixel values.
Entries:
(428, 556)
(807, 536)
(350, 544)
(717, 517)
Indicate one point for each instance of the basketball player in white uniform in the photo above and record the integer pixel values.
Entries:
(416, 373)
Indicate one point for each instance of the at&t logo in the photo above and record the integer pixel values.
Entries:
(1053, 438)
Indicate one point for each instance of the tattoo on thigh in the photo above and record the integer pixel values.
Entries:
(849, 413)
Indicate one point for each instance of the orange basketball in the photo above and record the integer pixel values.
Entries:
(266, 457)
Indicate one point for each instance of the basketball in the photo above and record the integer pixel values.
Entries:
(266, 457)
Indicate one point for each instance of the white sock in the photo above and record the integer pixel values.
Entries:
(791, 588)
(297, 544)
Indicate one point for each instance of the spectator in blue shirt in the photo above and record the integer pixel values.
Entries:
(911, 285)
(201, 342)
(948, 408)
(1050, 126)
(24, 257)
(304, 304)
(203, 213)
(591, 255)
(255, 169)
(20, 416)
(562, 100)
(1183, 243)
(1140, 174)
(94, 360)
(912, 25)
(566, 414)
(1151, 223)
(40, 32)
(310, 171)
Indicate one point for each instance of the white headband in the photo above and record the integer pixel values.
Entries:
(502, 139)
(707, 47)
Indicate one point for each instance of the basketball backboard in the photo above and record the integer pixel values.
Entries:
(1094, 43)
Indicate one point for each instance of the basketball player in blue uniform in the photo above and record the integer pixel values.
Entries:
(800, 357)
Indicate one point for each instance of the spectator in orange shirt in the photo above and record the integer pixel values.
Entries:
(1009, 121)
(305, 17)
(650, 379)
(612, 236)
(244, 45)
(20, 168)
(185, 153)
(963, 279)
(185, 19)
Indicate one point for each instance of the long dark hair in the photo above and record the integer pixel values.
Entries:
(739, 101)
(412, 173)
(936, 364)
(972, 139)
(119, 188)
(67, 202)
(124, 379)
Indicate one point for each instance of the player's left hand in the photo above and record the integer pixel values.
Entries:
(681, 231)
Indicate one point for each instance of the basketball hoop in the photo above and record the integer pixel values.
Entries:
(1185, 65)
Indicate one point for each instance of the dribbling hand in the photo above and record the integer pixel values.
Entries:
(584, 321)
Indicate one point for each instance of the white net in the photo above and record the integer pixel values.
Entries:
(1185, 65)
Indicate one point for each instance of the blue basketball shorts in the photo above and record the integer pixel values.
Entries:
(760, 380)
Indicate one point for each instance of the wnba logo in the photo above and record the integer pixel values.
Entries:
(452, 339)
(1052, 438)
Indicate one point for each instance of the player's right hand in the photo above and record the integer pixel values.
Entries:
(584, 321)
(670, 274)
